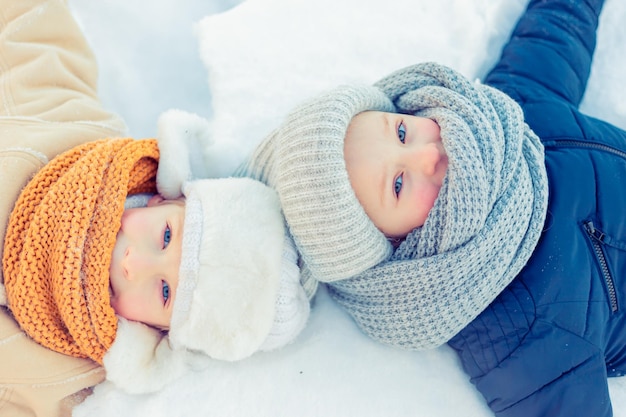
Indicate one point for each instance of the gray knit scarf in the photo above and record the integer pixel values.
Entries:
(482, 229)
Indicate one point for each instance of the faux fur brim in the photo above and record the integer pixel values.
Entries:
(189, 151)
(184, 139)
(141, 359)
(225, 307)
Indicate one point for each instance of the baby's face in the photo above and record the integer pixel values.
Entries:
(396, 164)
(143, 275)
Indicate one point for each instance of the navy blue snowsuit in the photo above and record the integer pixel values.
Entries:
(546, 345)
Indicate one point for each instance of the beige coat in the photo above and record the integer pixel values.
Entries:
(48, 104)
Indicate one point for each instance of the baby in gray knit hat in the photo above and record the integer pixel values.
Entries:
(399, 195)
(422, 203)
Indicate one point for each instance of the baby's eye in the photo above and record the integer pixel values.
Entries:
(397, 186)
(165, 290)
(167, 236)
(401, 132)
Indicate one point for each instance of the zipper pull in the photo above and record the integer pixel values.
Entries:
(593, 232)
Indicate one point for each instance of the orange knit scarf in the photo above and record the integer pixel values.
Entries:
(60, 238)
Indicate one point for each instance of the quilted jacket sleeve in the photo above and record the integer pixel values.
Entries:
(581, 391)
(550, 51)
(525, 366)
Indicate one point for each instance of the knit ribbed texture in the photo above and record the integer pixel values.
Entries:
(303, 161)
(60, 238)
(292, 303)
(480, 233)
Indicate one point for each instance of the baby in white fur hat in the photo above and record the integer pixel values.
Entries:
(238, 289)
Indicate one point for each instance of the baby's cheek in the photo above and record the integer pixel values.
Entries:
(430, 198)
(129, 309)
(423, 204)
(116, 307)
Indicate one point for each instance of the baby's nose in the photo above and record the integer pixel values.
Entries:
(425, 158)
(135, 263)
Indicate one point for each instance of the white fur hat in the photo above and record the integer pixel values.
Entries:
(230, 267)
(235, 253)
(239, 282)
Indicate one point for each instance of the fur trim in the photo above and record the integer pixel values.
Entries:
(225, 306)
(184, 139)
(141, 359)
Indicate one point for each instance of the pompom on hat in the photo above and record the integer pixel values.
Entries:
(238, 289)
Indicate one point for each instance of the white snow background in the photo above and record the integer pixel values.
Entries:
(243, 66)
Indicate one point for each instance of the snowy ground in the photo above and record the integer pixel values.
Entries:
(243, 66)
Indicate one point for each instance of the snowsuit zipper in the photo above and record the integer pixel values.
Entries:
(597, 241)
(583, 144)
(597, 238)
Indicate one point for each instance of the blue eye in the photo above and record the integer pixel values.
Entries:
(165, 290)
(167, 236)
(397, 185)
(401, 132)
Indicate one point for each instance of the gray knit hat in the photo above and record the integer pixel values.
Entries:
(303, 160)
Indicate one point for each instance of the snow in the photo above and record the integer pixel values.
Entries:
(243, 66)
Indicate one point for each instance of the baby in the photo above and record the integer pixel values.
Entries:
(204, 267)
(431, 191)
